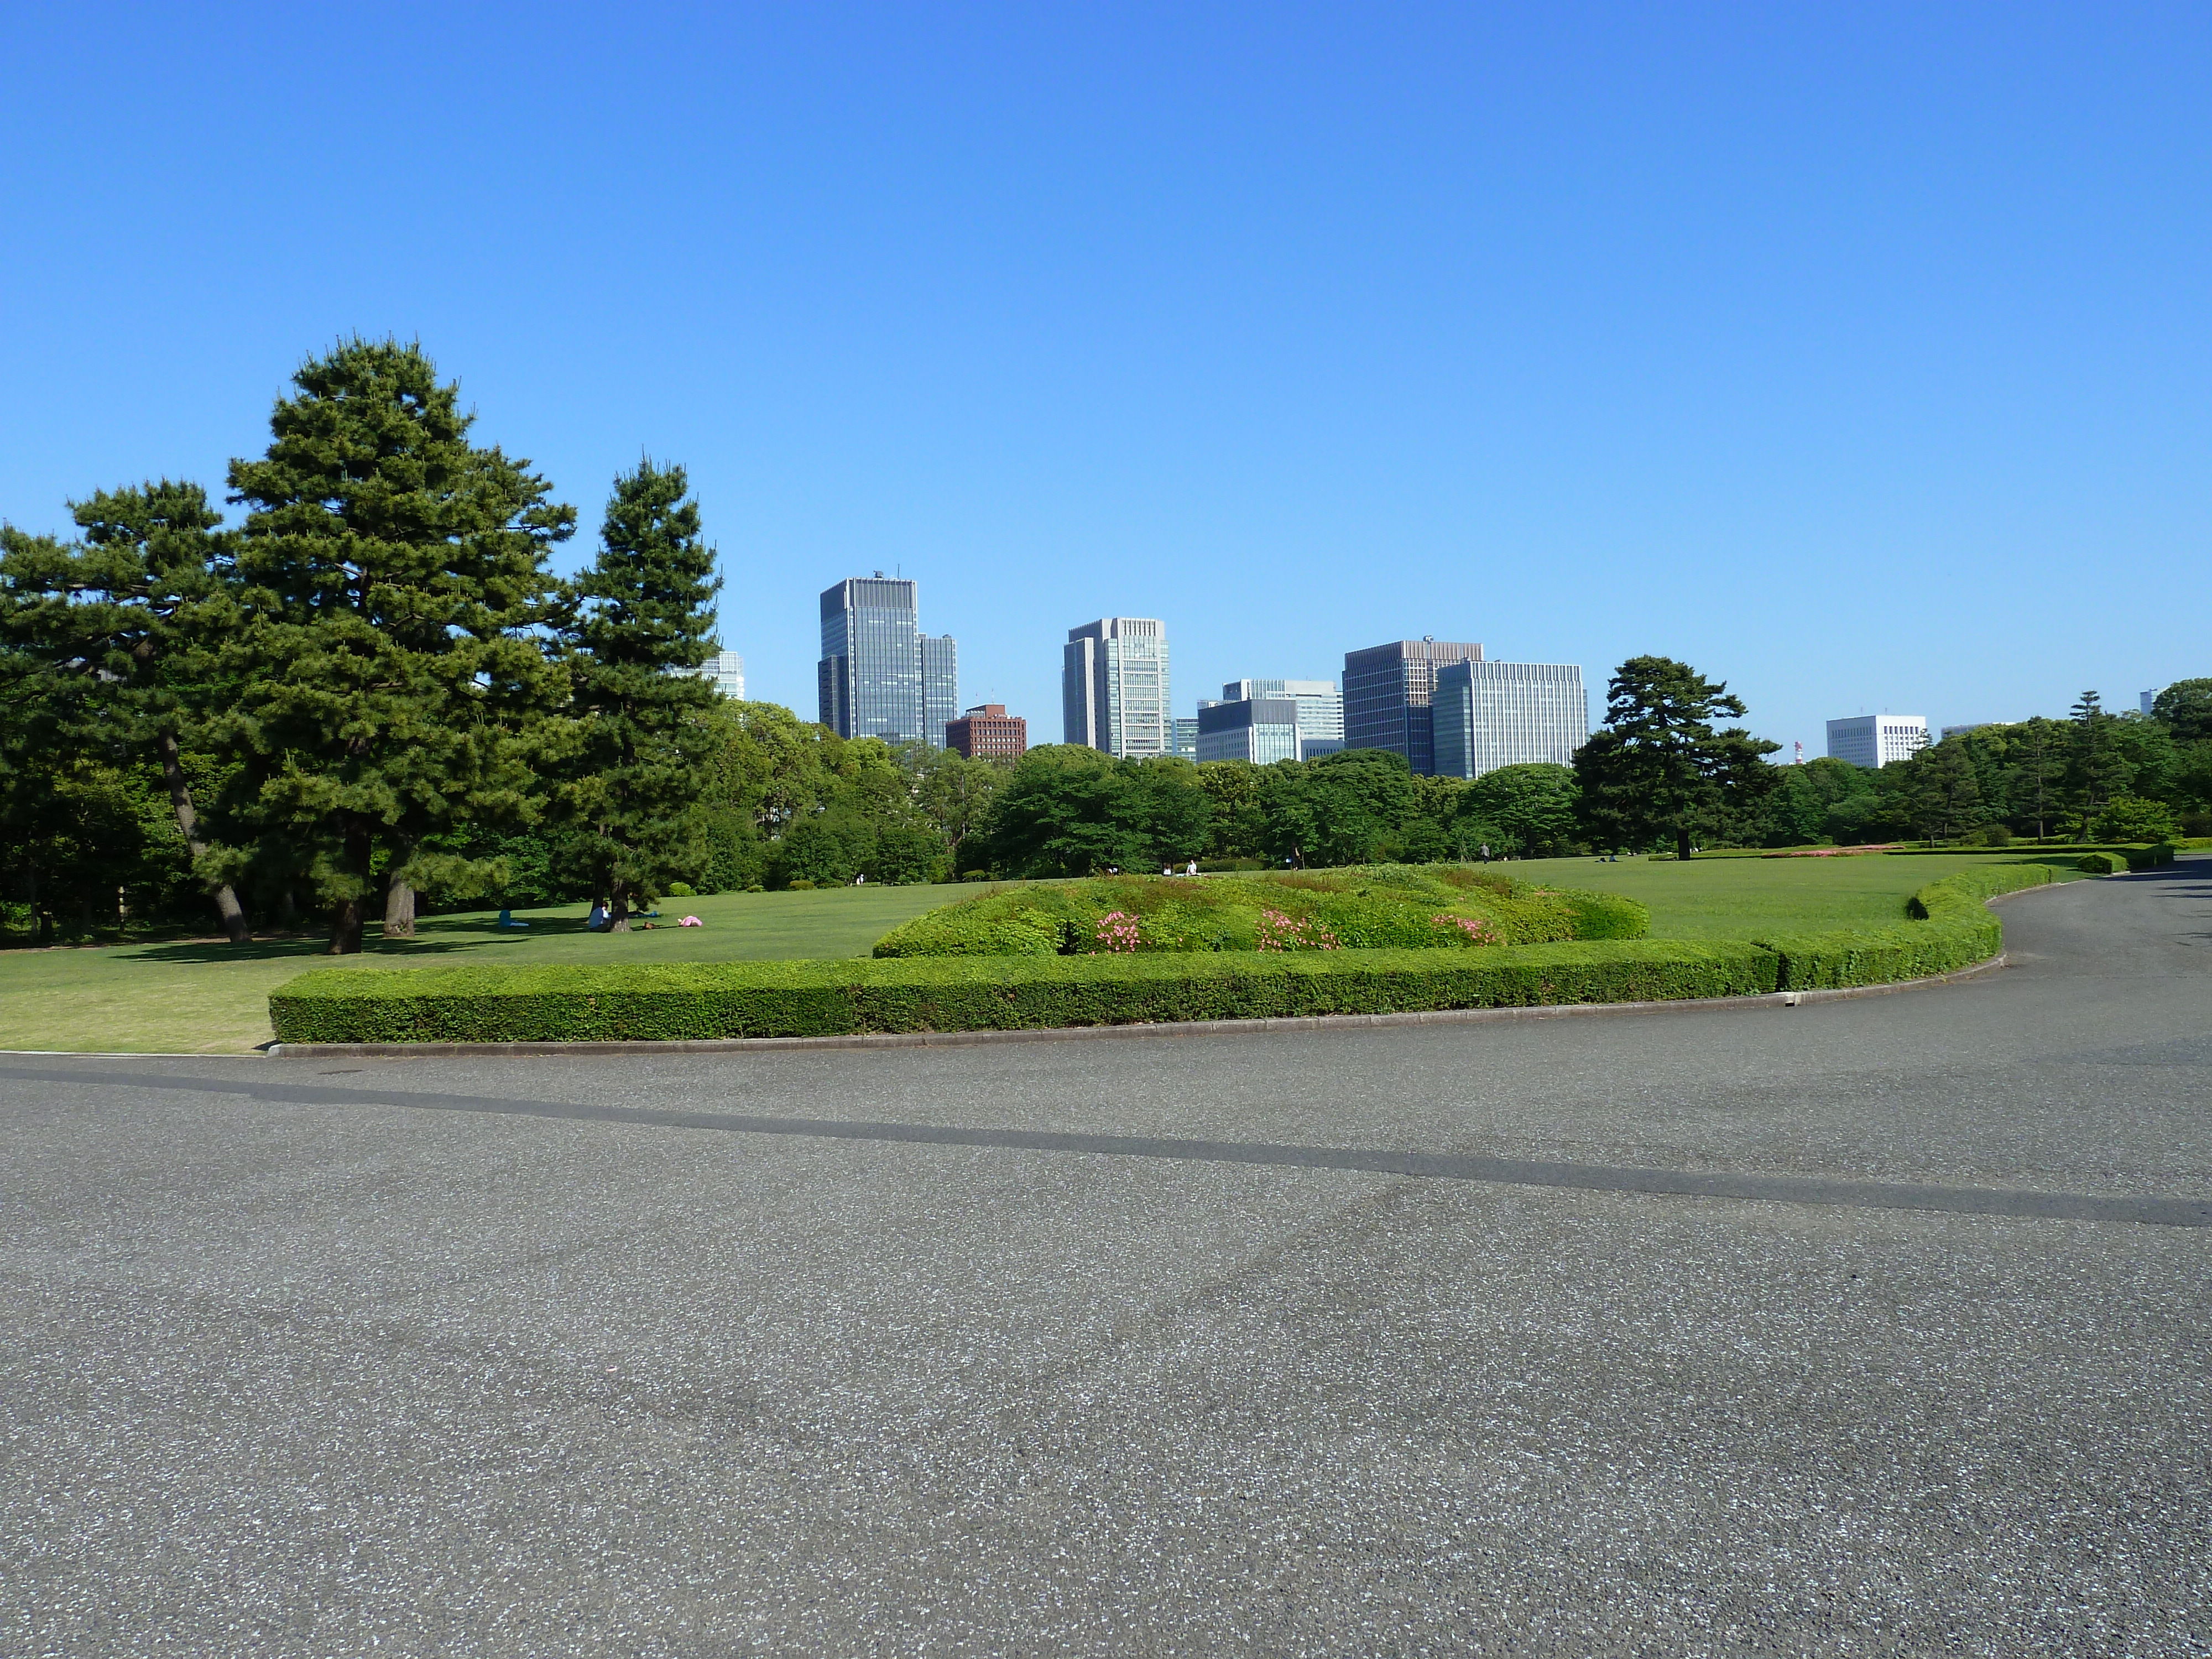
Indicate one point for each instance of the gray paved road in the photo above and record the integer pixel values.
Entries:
(311, 1369)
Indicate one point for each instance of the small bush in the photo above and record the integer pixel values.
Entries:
(2100, 864)
(2149, 858)
(976, 875)
(800, 884)
(682, 890)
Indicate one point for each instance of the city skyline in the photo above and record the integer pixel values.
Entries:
(1646, 337)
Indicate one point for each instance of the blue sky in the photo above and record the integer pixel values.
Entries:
(1856, 354)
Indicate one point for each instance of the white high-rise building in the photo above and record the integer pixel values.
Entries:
(1321, 709)
(1877, 740)
(1113, 687)
(1489, 715)
(726, 669)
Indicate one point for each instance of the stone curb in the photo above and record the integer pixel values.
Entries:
(1072, 1033)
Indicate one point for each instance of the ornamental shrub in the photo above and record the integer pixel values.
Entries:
(1358, 909)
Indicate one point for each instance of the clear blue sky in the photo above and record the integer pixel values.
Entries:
(1856, 354)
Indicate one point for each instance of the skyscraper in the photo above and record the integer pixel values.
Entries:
(726, 669)
(880, 676)
(1388, 695)
(1321, 709)
(1489, 715)
(1113, 687)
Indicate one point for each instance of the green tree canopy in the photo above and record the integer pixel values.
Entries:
(1527, 811)
(643, 626)
(2186, 707)
(1658, 769)
(131, 615)
(391, 684)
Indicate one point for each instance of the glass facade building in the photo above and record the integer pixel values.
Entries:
(726, 670)
(1321, 709)
(879, 675)
(1261, 730)
(1489, 715)
(1390, 693)
(1113, 687)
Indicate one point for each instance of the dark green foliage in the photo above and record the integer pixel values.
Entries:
(1068, 811)
(1529, 811)
(1391, 906)
(1658, 771)
(2149, 858)
(814, 998)
(643, 627)
(390, 685)
(117, 634)
(2185, 709)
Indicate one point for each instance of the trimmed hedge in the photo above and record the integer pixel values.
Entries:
(673, 1001)
(692, 1001)
(1950, 927)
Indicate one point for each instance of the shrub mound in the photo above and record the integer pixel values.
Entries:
(1392, 906)
(1949, 929)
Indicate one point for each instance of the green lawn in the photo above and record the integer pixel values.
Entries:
(1742, 898)
(196, 997)
(199, 997)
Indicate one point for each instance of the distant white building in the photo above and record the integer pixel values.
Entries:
(1321, 709)
(726, 671)
(1876, 741)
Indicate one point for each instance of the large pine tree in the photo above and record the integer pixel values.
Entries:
(392, 581)
(132, 614)
(1657, 767)
(642, 628)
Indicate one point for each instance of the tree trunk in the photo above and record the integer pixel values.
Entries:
(1682, 845)
(618, 909)
(399, 911)
(349, 915)
(234, 926)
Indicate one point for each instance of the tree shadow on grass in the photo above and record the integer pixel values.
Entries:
(435, 936)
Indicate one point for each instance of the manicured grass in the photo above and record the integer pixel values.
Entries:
(202, 997)
(198, 996)
(1742, 898)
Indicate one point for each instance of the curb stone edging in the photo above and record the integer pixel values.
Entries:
(1070, 1033)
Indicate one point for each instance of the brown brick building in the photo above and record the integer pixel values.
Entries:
(988, 732)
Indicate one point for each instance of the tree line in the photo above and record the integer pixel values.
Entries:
(372, 695)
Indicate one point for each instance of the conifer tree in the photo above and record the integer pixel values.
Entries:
(392, 578)
(133, 614)
(1657, 767)
(642, 629)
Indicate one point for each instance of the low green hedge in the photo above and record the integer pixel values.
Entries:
(1949, 929)
(673, 1001)
(1949, 926)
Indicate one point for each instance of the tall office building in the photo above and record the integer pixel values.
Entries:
(1261, 730)
(1390, 693)
(880, 676)
(1113, 687)
(726, 671)
(1489, 715)
(1321, 709)
(1184, 740)
(1877, 740)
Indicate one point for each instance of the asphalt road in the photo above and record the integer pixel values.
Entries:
(1871, 1327)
